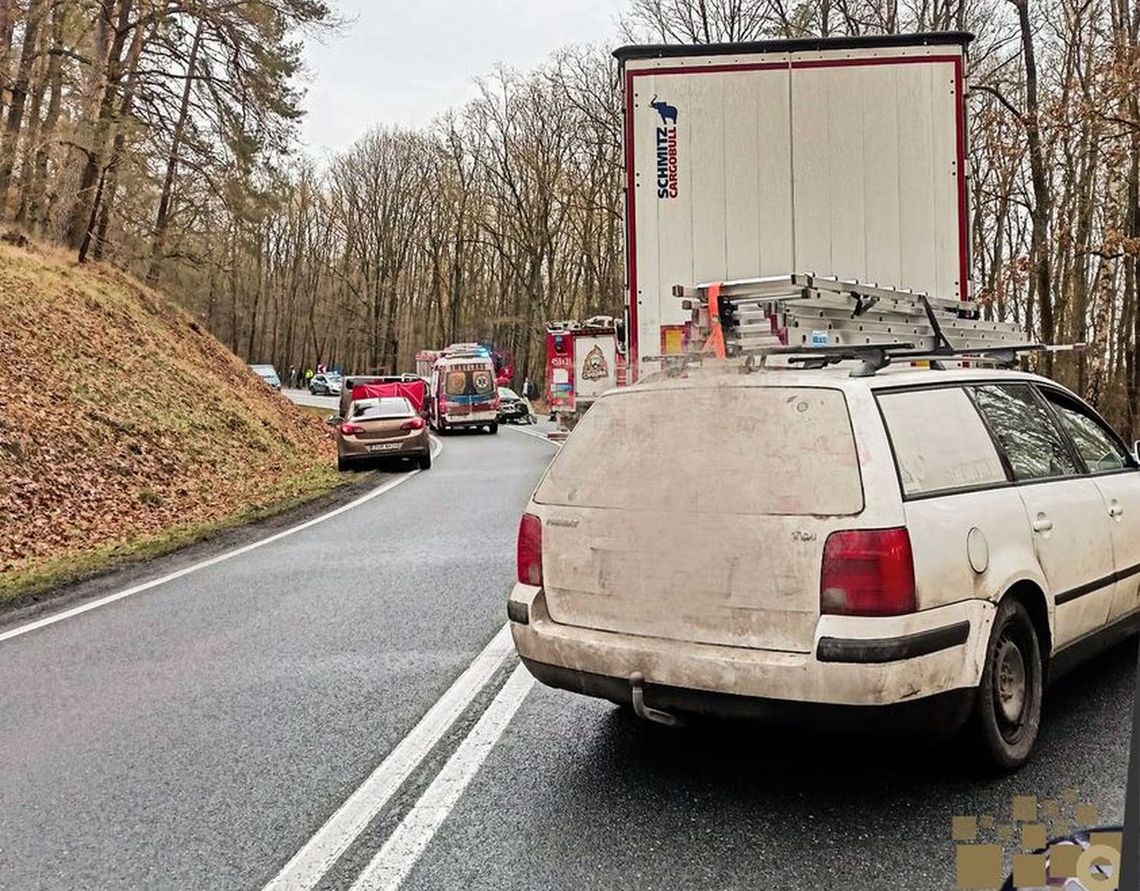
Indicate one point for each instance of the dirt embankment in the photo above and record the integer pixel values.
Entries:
(125, 428)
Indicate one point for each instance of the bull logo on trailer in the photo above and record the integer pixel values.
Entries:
(666, 149)
(594, 366)
(668, 112)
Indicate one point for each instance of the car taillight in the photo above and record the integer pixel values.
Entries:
(530, 550)
(350, 429)
(867, 573)
(413, 424)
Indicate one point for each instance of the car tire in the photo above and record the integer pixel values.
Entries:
(342, 464)
(1007, 704)
(425, 462)
(494, 428)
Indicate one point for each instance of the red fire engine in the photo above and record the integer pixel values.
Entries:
(583, 360)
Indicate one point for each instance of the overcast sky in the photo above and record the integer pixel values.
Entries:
(406, 61)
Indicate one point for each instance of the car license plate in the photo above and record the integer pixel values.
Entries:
(384, 447)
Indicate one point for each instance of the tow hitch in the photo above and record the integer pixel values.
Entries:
(643, 711)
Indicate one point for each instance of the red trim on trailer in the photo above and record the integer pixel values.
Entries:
(963, 220)
(880, 60)
(808, 63)
(631, 233)
(631, 199)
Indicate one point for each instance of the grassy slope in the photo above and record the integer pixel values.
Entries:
(126, 429)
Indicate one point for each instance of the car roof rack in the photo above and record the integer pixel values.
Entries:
(877, 356)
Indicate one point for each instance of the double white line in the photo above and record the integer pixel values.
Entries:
(309, 865)
(399, 853)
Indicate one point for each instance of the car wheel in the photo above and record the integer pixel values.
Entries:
(342, 464)
(425, 462)
(494, 428)
(1007, 707)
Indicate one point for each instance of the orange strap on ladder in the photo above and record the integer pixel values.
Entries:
(715, 343)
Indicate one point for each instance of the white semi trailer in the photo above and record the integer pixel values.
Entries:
(841, 157)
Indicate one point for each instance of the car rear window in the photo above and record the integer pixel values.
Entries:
(940, 442)
(383, 407)
(722, 449)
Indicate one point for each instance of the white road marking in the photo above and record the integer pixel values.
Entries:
(308, 866)
(536, 435)
(214, 561)
(395, 859)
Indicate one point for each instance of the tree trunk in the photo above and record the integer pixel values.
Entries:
(36, 10)
(1042, 200)
(126, 107)
(7, 23)
(83, 212)
(162, 223)
(36, 199)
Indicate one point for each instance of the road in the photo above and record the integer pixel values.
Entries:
(202, 733)
(304, 397)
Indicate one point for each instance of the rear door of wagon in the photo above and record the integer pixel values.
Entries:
(699, 513)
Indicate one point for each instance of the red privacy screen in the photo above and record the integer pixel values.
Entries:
(414, 391)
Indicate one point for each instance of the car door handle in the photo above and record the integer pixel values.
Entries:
(1116, 509)
(1042, 524)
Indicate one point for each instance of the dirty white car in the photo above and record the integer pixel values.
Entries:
(919, 543)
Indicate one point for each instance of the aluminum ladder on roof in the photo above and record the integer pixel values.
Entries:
(806, 310)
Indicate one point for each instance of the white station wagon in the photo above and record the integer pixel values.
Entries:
(921, 543)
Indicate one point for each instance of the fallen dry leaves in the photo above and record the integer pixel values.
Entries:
(120, 417)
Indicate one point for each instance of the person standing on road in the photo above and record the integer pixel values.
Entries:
(529, 392)
(308, 377)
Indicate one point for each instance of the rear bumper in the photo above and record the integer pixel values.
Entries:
(412, 446)
(474, 419)
(866, 661)
(942, 711)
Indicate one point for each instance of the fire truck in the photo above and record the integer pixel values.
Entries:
(583, 360)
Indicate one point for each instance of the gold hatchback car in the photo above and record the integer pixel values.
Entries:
(387, 427)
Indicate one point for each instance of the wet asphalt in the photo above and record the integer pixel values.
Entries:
(194, 736)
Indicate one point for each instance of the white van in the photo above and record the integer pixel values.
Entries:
(935, 543)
